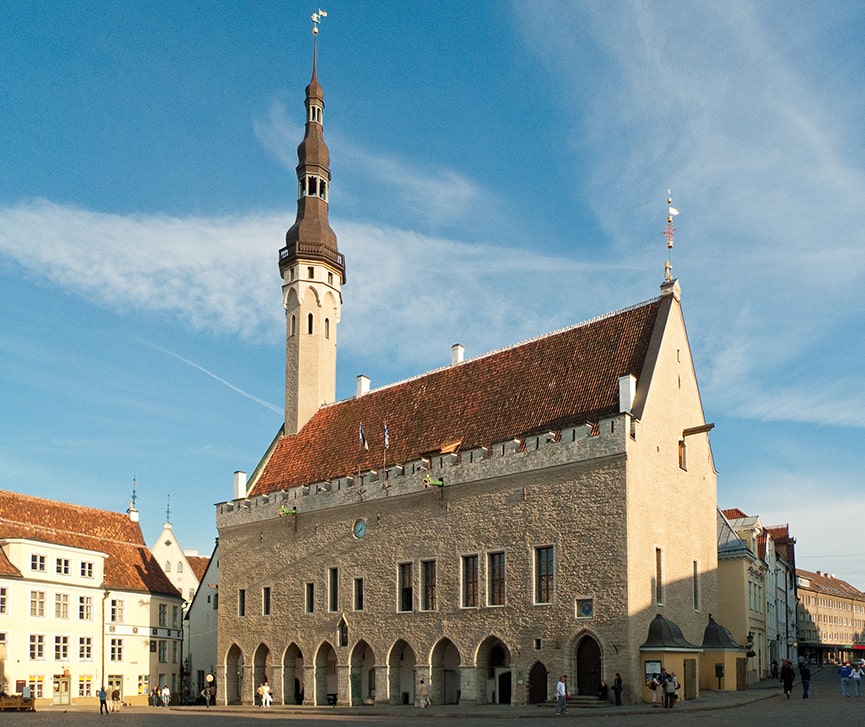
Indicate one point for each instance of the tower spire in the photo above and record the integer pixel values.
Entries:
(312, 270)
(669, 232)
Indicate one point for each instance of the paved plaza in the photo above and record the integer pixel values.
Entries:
(764, 704)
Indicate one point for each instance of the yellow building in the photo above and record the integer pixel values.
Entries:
(831, 618)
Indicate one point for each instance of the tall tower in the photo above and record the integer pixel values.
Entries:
(313, 273)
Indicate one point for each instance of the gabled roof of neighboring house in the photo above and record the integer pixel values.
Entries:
(829, 584)
(561, 379)
(129, 565)
(733, 513)
(7, 568)
(198, 563)
(729, 544)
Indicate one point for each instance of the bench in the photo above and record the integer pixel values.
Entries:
(17, 703)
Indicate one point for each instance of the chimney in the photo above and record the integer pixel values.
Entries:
(457, 354)
(362, 386)
(239, 485)
(627, 392)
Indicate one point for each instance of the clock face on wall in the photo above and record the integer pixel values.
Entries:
(585, 608)
(359, 528)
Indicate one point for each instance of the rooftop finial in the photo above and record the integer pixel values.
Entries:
(168, 508)
(316, 19)
(669, 232)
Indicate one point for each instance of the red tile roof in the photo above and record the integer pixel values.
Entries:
(733, 513)
(129, 566)
(198, 563)
(551, 382)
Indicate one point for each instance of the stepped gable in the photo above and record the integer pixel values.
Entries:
(130, 564)
(551, 382)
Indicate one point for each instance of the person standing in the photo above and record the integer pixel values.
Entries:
(787, 676)
(266, 695)
(617, 689)
(423, 694)
(115, 699)
(856, 675)
(166, 696)
(657, 687)
(562, 696)
(671, 685)
(102, 703)
(805, 677)
(845, 672)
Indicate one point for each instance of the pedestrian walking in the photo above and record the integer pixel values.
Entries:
(115, 699)
(856, 675)
(617, 689)
(102, 703)
(562, 696)
(166, 696)
(787, 676)
(805, 677)
(845, 672)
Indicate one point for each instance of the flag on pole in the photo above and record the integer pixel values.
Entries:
(386, 437)
(363, 442)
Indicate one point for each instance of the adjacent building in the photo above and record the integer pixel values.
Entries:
(831, 618)
(200, 629)
(83, 603)
(543, 509)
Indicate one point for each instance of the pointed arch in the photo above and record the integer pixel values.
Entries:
(495, 679)
(292, 675)
(326, 676)
(401, 667)
(234, 666)
(445, 662)
(539, 684)
(262, 667)
(362, 674)
(588, 660)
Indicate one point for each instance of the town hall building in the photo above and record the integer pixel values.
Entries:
(545, 509)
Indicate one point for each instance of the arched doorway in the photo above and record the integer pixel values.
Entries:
(326, 678)
(493, 664)
(362, 674)
(292, 675)
(588, 666)
(260, 664)
(445, 673)
(401, 663)
(539, 688)
(234, 675)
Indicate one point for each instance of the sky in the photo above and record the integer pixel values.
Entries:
(500, 170)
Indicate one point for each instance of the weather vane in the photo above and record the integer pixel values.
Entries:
(316, 19)
(669, 232)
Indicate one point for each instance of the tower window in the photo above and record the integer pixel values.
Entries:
(293, 326)
(310, 272)
(330, 278)
(327, 327)
(322, 189)
(309, 324)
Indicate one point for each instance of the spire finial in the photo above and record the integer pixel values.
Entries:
(316, 19)
(168, 508)
(669, 232)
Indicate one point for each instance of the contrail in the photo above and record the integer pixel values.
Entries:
(265, 404)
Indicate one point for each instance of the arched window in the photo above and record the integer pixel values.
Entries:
(180, 566)
(309, 324)
(327, 327)
(293, 325)
(168, 566)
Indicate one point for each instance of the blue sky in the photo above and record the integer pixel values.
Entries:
(499, 171)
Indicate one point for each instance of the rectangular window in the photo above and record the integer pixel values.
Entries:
(116, 649)
(61, 648)
(37, 647)
(163, 615)
(116, 614)
(659, 577)
(265, 601)
(3, 599)
(61, 605)
(241, 602)
(405, 593)
(683, 455)
(86, 569)
(85, 608)
(309, 600)
(37, 603)
(85, 686)
(62, 566)
(175, 615)
(358, 594)
(37, 686)
(544, 580)
(333, 590)
(696, 586)
(428, 585)
(85, 648)
(470, 581)
(496, 565)
(37, 562)
(162, 651)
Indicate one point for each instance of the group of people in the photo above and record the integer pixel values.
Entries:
(103, 700)
(665, 689)
(160, 696)
(851, 676)
(603, 693)
(265, 695)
